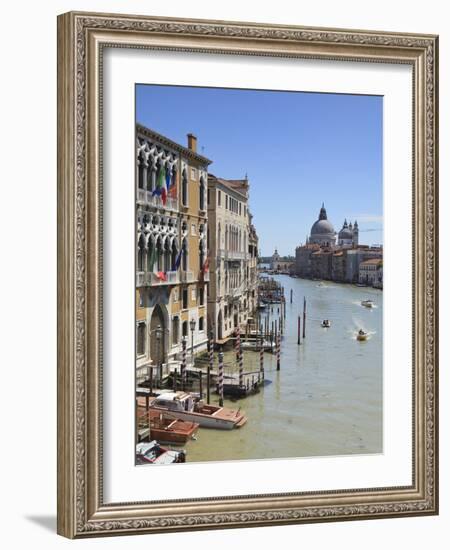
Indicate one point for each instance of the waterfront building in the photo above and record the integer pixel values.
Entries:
(322, 257)
(279, 263)
(171, 248)
(233, 257)
(371, 272)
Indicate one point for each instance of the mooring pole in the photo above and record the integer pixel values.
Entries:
(292, 292)
(220, 380)
(200, 383)
(277, 339)
(150, 379)
(304, 316)
(210, 366)
(261, 357)
(183, 364)
(298, 330)
(174, 383)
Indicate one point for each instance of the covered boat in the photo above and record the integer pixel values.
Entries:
(184, 406)
(326, 323)
(367, 303)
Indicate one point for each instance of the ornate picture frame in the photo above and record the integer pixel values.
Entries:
(82, 38)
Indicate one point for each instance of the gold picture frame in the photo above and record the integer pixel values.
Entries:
(81, 39)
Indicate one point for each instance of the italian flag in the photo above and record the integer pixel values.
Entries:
(161, 186)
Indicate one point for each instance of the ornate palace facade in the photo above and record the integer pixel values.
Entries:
(171, 248)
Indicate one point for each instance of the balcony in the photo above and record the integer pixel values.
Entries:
(147, 198)
(231, 254)
(140, 278)
(187, 276)
(172, 278)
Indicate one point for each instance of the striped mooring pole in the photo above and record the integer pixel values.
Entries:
(277, 340)
(239, 357)
(261, 358)
(220, 380)
(211, 364)
(183, 364)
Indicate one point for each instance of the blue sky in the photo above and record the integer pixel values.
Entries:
(299, 150)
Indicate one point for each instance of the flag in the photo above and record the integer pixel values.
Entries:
(178, 260)
(205, 267)
(168, 180)
(160, 188)
(172, 191)
(161, 276)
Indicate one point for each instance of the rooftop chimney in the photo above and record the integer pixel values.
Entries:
(192, 142)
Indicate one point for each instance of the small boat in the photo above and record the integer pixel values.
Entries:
(325, 323)
(367, 303)
(154, 453)
(169, 430)
(362, 335)
(255, 345)
(185, 406)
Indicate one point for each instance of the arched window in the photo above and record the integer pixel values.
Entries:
(159, 255)
(167, 256)
(151, 177)
(151, 255)
(141, 171)
(226, 237)
(201, 252)
(174, 255)
(141, 253)
(219, 237)
(184, 256)
(184, 188)
(202, 194)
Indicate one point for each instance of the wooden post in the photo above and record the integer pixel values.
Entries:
(298, 330)
(160, 374)
(220, 380)
(261, 357)
(277, 340)
(150, 379)
(200, 383)
(174, 385)
(210, 366)
(183, 363)
(292, 292)
(304, 316)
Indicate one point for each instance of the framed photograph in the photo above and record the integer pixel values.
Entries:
(247, 282)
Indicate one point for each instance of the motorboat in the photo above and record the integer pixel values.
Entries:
(367, 303)
(255, 345)
(326, 323)
(362, 335)
(170, 430)
(154, 453)
(185, 406)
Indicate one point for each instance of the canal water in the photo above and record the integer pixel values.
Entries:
(327, 397)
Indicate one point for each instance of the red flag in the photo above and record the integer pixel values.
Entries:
(205, 268)
(161, 276)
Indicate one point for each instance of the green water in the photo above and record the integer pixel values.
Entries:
(327, 397)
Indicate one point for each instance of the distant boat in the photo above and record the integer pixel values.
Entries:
(367, 303)
(325, 323)
(362, 335)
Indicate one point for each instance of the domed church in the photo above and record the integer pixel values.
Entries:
(322, 231)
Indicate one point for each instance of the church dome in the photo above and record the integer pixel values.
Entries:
(322, 227)
(345, 234)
